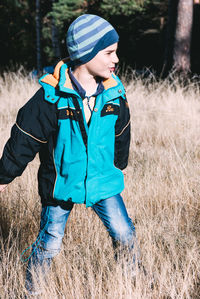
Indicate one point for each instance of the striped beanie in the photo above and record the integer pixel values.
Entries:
(87, 35)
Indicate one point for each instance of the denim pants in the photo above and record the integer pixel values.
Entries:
(114, 216)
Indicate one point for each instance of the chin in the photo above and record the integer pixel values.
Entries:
(106, 76)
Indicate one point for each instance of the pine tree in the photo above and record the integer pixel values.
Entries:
(178, 39)
(55, 41)
(183, 34)
(38, 37)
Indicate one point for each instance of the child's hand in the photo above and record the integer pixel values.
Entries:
(124, 171)
(3, 187)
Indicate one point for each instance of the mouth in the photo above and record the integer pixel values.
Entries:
(112, 69)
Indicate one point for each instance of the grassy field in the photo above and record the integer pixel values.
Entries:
(162, 197)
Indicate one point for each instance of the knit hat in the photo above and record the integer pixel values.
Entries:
(87, 35)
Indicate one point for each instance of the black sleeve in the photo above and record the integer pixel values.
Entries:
(36, 120)
(122, 135)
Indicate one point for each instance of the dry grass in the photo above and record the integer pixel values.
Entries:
(162, 197)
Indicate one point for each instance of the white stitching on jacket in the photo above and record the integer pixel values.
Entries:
(30, 134)
(123, 129)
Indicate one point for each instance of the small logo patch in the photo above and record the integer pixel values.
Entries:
(109, 109)
(67, 113)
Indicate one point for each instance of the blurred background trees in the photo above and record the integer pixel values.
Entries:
(179, 37)
(150, 32)
(183, 35)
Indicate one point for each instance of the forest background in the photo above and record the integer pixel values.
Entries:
(162, 179)
(33, 32)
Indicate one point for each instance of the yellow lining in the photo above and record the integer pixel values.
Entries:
(51, 80)
(56, 73)
(54, 79)
(110, 82)
(123, 129)
(30, 134)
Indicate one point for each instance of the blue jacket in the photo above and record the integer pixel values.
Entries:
(79, 163)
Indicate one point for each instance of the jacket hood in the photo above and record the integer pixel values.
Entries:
(60, 81)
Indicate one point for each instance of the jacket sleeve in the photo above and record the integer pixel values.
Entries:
(122, 135)
(36, 120)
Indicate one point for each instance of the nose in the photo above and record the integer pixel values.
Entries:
(115, 58)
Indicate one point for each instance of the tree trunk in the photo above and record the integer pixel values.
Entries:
(55, 41)
(169, 43)
(38, 38)
(183, 34)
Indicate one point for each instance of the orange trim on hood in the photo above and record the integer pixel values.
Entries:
(110, 82)
(53, 80)
(56, 73)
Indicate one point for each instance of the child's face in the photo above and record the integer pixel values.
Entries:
(103, 64)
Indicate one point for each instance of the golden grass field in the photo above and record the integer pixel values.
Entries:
(162, 197)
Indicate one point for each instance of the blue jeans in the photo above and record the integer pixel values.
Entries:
(114, 216)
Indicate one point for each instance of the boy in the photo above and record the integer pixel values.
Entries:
(79, 123)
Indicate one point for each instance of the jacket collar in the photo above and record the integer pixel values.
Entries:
(60, 80)
(81, 91)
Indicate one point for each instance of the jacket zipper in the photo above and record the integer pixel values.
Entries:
(84, 133)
